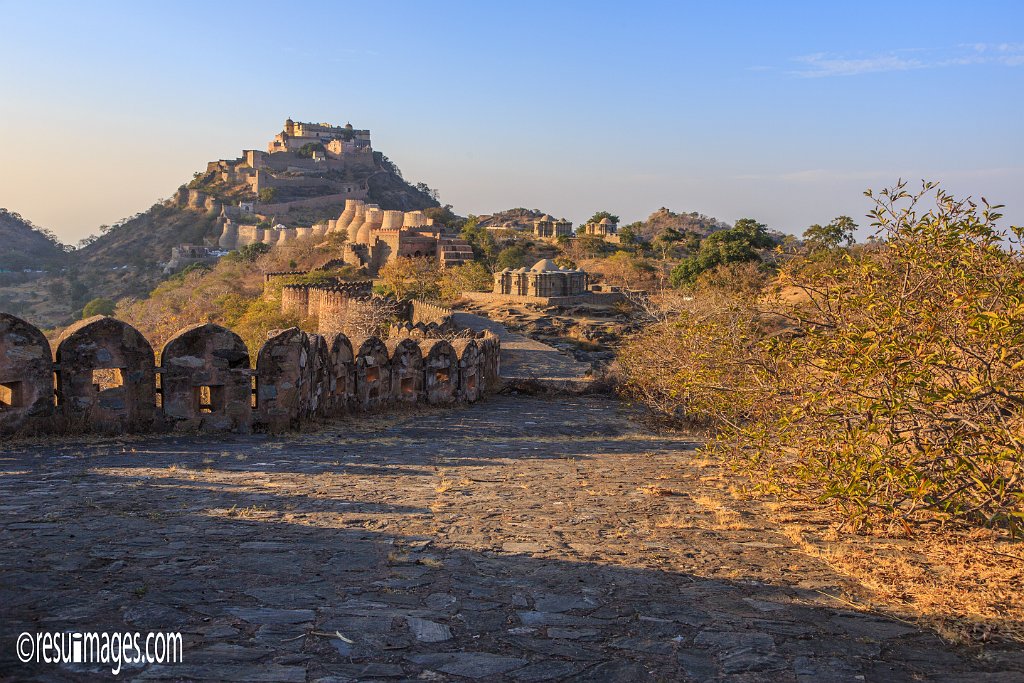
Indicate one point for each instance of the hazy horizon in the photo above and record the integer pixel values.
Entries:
(781, 114)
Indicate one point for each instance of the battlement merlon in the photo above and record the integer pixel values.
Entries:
(296, 134)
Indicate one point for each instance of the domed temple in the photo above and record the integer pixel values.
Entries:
(545, 279)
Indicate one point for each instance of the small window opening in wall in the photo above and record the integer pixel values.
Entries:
(442, 376)
(159, 391)
(11, 395)
(255, 393)
(373, 374)
(209, 399)
(408, 385)
(340, 384)
(471, 382)
(106, 379)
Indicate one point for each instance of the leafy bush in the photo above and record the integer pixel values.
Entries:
(739, 244)
(99, 306)
(468, 277)
(249, 253)
(912, 358)
(701, 363)
(895, 393)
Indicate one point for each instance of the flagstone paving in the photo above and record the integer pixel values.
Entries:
(519, 539)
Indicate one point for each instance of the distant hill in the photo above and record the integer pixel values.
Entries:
(25, 246)
(126, 260)
(517, 219)
(304, 183)
(664, 218)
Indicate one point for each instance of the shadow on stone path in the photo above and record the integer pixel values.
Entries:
(512, 540)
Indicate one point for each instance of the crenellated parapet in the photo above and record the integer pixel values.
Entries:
(107, 378)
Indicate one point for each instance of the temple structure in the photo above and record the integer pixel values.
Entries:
(544, 280)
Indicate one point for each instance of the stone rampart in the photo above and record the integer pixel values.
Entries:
(107, 379)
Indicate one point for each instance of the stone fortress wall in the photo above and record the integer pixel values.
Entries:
(105, 377)
(352, 308)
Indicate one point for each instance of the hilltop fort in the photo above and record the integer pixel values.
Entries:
(306, 165)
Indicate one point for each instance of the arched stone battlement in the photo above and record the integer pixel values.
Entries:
(26, 377)
(206, 381)
(490, 355)
(469, 369)
(440, 371)
(342, 374)
(106, 375)
(316, 394)
(280, 375)
(406, 370)
(373, 373)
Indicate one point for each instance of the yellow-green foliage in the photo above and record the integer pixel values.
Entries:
(423, 278)
(912, 365)
(229, 294)
(469, 277)
(898, 393)
(701, 363)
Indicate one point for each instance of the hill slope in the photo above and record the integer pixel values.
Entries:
(126, 260)
(26, 246)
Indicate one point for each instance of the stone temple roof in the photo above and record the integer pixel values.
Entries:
(546, 218)
(544, 265)
(605, 221)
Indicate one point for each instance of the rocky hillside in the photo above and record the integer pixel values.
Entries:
(126, 259)
(26, 246)
(517, 219)
(663, 219)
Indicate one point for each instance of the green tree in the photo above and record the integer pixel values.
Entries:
(667, 240)
(411, 278)
(306, 151)
(442, 215)
(510, 257)
(98, 306)
(468, 277)
(628, 237)
(740, 243)
(480, 238)
(836, 234)
(597, 217)
(249, 252)
(267, 195)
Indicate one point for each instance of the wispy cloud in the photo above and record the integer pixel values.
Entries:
(821, 64)
(832, 176)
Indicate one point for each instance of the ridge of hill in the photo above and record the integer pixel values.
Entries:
(664, 219)
(516, 219)
(27, 246)
(305, 177)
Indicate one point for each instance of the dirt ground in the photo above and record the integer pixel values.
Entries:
(517, 539)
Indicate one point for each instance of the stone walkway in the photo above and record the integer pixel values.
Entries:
(523, 358)
(518, 539)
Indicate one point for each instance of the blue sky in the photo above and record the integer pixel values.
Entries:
(734, 109)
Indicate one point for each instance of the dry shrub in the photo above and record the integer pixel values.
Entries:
(701, 362)
(906, 402)
(897, 393)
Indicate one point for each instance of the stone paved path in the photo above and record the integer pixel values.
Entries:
(525, 358)
(518, 539)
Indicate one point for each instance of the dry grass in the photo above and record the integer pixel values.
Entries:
(723, 518)
(675, 520)
(966, 587)
(653, 490)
